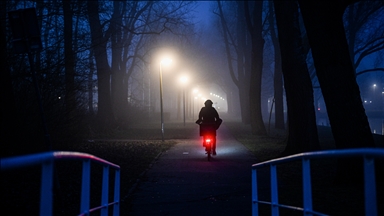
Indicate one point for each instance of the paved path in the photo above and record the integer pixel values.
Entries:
(183, 182)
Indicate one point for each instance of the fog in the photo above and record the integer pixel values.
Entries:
(113, 71)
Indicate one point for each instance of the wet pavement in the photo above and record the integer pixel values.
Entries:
(183, 182)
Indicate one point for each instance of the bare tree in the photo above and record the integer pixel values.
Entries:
(130, 25)
(243, 61)
(278, 76)
(99, 44)
(9, 117)
(302, 128)
(364, 38)
(69, 61)
(335, 71)
(90, 83)
(254, 25)
(240, 77)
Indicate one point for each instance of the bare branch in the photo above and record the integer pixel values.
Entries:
(369, 51)
(371, 43)
(370, 70)
(229, 59)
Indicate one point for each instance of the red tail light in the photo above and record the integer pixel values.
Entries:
(208, 140)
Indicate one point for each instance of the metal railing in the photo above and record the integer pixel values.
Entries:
(369, 155)
(46, 160)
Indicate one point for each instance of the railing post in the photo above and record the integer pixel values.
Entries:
(307, 186)
(85, 187)
(255, 199)
(370, 186)
(46, 197)
(274, 192)
(105, 191)
(116, 206)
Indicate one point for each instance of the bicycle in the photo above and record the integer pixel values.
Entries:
(208, 142)
(208, 132)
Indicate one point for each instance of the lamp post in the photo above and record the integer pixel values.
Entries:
(193, 102)
(184, 80)
(165, 61)
(184, 105)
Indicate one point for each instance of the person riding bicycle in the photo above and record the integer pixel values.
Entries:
(210, 117)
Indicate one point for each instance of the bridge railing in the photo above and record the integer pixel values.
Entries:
(46, 160)
(368, 154)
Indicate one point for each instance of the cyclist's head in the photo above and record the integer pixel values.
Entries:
(208, 103)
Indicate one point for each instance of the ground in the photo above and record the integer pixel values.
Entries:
(136, 148)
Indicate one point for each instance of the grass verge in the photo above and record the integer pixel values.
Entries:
(135, 148)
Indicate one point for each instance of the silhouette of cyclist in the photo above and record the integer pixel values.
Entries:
(208, 116)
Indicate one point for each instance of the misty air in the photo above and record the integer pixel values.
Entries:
(192, 107)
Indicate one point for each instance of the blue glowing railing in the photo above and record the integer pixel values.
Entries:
(369, 155)
(46, 160)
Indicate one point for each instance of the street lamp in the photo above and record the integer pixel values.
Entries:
(166, 62)
(184, 80)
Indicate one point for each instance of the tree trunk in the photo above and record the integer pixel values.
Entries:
(179, 92)
(9, 117)
(119, 102)
(241, 80)
(302, 135)
(255, 29)
(241, 52)
(325, 29)
(70, 99)
(230, 99)
(247, 76)
(90, 83)
(278, 75)
(278, 91)
(103, 70)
